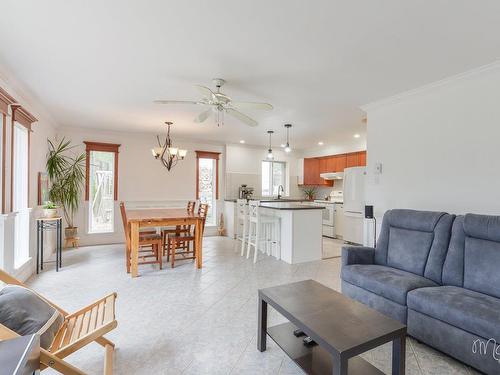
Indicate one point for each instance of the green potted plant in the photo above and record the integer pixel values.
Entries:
(66, 171)
(310, 193)
(49, 209)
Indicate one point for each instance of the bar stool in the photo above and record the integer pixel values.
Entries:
(269, 225)
(242, 222)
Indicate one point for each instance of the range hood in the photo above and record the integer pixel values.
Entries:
(332, 175)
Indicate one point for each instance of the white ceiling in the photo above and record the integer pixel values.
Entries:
(100, 64)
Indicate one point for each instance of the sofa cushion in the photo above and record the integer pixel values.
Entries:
(387, 282)
(24, 312)
(471, 311)
(473, 258)
(408, 249)
(414, 241)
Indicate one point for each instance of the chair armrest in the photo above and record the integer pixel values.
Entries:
(357, 255)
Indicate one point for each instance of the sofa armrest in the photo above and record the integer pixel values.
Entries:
(357, 255)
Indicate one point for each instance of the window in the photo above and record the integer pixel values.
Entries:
(101, 188)
(273, 175)
(207, 182)
(20, 193)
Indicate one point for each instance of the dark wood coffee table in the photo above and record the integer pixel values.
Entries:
(342, 328)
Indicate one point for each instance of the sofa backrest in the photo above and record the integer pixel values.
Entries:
(415, 241)
(473, 259)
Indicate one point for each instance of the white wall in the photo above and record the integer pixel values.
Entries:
(142, 180)
(438, 146)
(244, 166)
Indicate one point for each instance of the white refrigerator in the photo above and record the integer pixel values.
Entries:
(354, 204)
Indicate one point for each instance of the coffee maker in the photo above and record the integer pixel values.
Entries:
(245, 192)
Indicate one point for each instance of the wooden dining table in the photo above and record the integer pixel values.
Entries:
(161, 217)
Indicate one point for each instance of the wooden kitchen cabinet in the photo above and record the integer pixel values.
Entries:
(340, 162)
(312, 167)
(311, 171)
(352, 160)
(323, 168)
(362, 158)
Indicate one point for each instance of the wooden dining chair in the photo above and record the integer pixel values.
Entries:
(150, 244)
(78, 329)
(177, 230)
(175, 240)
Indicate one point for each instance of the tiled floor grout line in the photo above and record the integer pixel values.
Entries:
(241, 355)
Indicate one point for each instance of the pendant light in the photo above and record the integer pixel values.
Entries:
(270, 155)
(287, 146)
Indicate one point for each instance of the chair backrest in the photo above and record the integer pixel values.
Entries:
(415, 241)
(253, 210)
(203, 212)
(241, 207)
(473, 259)
(191, 206)
(124, 218)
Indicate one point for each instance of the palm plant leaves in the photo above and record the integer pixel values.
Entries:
(67, 175)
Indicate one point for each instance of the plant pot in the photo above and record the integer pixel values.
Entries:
(71, 232)
(49, 212)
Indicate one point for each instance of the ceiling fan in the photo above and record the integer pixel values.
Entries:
(219, 103)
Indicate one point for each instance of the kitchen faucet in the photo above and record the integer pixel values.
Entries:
(282, 190)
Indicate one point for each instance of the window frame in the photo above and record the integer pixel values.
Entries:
(5, 102)
(285, 186)
(25, 119)
(105, 147)
(207, 155)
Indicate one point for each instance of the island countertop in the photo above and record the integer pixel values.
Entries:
(289, 206)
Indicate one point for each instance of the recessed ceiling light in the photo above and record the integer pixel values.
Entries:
(320, 143)
(356, 136)
(242, 141)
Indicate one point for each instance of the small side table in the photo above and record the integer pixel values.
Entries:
(43, 224)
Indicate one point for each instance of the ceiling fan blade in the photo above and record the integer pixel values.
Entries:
(205, 91)
(203, 116)
(242, 117)
(252, 105)
(175, 102)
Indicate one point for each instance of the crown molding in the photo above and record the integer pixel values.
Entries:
(428, 87)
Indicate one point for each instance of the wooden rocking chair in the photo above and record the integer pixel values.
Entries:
(78, 329)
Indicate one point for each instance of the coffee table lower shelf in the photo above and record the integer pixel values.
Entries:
(314, 360)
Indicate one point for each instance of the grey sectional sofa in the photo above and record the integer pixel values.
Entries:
(440, 275)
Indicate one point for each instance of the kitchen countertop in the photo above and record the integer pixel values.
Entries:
(271, 200)
(327, 202)
(289, 206)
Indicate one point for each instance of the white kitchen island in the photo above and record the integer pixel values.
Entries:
(301, 229)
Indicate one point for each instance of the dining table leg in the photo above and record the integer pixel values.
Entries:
(199, 241)
(134, 248)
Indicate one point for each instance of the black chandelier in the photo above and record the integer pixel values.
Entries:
(168, 155)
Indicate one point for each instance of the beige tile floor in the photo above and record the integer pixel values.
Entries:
(332, 247)
(188, 321)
